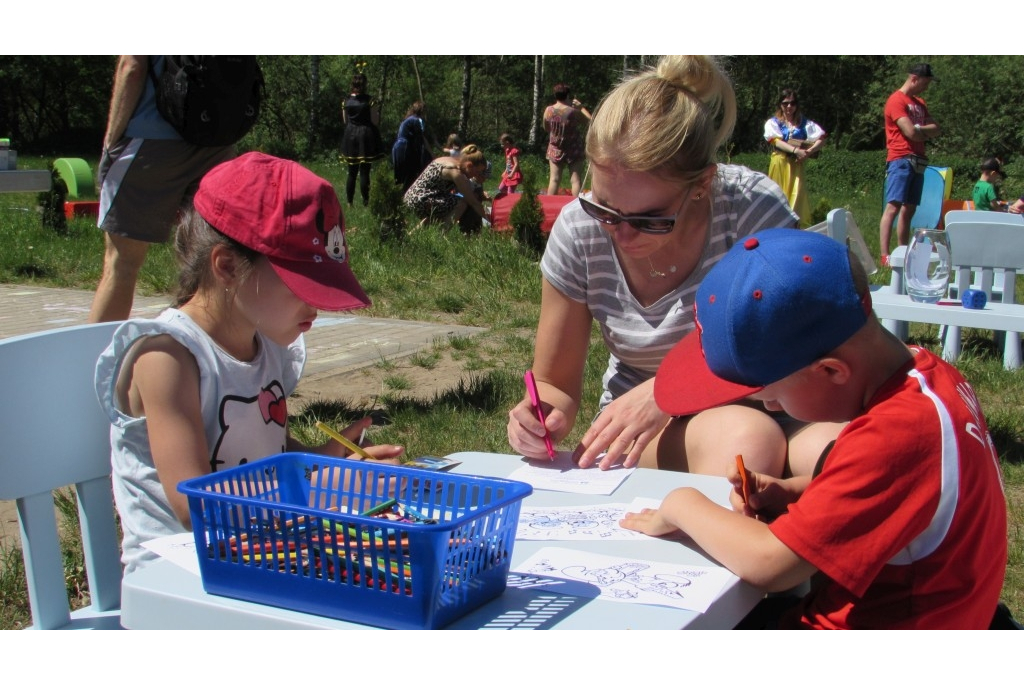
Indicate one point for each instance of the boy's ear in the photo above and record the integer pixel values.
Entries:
(837, 370)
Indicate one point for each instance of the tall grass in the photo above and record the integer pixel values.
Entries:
(484, 280)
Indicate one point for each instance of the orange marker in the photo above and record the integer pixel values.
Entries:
(744, 481)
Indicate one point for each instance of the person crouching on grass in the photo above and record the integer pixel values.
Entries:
(904, 522)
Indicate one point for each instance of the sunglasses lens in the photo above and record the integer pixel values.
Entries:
(653, 225)
(643, 224)
(603, 215)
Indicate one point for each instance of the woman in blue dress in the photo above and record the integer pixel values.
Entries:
(793, 138)
(410, 154)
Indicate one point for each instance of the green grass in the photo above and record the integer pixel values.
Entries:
(487, 281)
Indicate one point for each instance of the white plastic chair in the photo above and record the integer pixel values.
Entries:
(53, 434)
(987, 253)
(840, 225)
(981, 217)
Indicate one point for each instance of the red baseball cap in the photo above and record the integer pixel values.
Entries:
(290, 215)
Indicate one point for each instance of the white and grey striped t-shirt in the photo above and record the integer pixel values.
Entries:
(580, 262)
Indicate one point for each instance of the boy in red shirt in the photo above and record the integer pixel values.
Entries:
(904, 523)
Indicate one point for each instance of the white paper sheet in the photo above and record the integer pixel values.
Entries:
(623, 580)
(179, 549)
(580, 522)
(563, 475)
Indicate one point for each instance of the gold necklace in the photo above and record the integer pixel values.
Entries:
(659, 274)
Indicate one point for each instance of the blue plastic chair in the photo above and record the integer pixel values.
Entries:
(54, 434)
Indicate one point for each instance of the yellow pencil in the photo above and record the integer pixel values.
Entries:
(363, 454)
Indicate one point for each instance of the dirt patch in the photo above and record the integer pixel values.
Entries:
(362, 387)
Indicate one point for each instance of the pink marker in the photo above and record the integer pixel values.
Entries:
(531, 388)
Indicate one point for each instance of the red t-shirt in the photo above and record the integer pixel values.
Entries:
(907, 520)
(901, 105)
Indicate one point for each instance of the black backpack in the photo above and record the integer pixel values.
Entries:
(211, 100)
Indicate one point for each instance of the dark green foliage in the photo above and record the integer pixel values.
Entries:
(526, 218)
(52, 202)
(57, 104)
(386, 204)
(821, 210)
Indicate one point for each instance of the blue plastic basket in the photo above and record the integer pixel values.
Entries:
(289, 531)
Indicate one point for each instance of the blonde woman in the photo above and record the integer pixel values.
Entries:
(444, 190)
(630, 255)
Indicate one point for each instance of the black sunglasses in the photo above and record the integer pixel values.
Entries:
(788, 102)
(655, 225)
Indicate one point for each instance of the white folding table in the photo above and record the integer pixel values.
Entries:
(166, 596)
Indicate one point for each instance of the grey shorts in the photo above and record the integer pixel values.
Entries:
(143, 184)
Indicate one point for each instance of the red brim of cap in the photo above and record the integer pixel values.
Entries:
(684, 384)
(328, 285)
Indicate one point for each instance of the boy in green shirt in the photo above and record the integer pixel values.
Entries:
(986, 194)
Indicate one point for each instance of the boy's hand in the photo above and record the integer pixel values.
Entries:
(649, 522)
(666, 518)
(769, 497)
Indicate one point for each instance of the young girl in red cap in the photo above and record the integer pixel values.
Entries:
(204, 386)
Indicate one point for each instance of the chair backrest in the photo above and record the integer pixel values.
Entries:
(981, 216)
(988, 245)
(840, 225)
(53, 434)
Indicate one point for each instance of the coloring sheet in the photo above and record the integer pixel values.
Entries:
(579, 522)
(624, 580)
(563, 475)
(179, 549)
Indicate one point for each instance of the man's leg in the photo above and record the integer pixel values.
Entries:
(885, 229)
(903, 224)
(122, 261)
(899, 177)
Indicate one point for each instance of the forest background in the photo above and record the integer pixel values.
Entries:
(57, 105)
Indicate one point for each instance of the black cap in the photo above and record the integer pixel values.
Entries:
(924, 70)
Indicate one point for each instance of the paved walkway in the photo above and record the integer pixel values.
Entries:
(337, 343)
(332, 345)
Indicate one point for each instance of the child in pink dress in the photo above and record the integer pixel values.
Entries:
(511, 176)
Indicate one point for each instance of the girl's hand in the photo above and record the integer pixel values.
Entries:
(526, 434)
(355, 432)
(382, 454)
(623, 430)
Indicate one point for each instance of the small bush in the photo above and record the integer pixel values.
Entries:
(526, 218)
(387, 205)
(52, 202)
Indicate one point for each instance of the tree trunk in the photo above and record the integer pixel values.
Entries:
(419, 84)
(538, 79)
(314, 103)
(467, 80)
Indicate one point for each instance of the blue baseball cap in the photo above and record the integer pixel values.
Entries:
(777, 301)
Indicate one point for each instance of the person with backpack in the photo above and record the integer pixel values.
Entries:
(171, 120)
